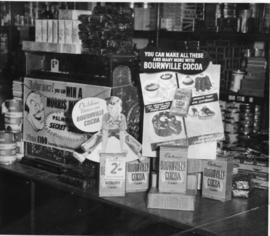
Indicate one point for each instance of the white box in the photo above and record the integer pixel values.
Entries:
(50, 31)
(55, 31)
(68, 31)
(111, 179)
(38, 31)
(75, 32)
(61, 31)
(44, 30)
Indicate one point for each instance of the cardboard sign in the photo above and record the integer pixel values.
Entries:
(186, 62)
(217, 179)
(173, 169)
(47, 115)
(87, 114)
(112, 174)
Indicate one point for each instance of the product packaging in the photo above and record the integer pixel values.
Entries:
(172, 169)
(68, 31)
(217, 179)
(38, 30)
(137, 175)
(50, 31)
(61, 31)
(44, 24)
(55, 31)
(112, 174)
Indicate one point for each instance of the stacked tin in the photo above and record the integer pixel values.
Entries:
(223, 105)
(12, 110)
(8, 148)
(246, 120)
(257, 119)
(231, 123)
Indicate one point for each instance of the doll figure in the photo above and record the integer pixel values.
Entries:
(113, 123)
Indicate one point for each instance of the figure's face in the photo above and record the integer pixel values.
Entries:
(36, 111)
(113, 109)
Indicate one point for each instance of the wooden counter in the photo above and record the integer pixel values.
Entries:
(211, 217)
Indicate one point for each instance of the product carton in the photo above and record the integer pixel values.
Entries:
(173, 169)
(75, 32)
(44, 24)
(170, 201)
(38, 30)
(217, 179)
(112, 174)
(68, 31)
(61, 31)
(50, 31)
(137, 175)
(55, 31)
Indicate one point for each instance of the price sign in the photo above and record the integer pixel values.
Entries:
(115, 168)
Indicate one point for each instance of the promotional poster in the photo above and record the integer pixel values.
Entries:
(47, 112)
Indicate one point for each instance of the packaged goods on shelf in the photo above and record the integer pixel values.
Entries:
(217, 179)
(38, 30)
(66, 14)
(8, 148)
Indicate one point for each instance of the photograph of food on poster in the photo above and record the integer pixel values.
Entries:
(159, 124)
(204, 121)
(189, 104)
(47, 112)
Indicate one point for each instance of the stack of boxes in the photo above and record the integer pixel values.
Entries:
(64, 30)
(144, 18)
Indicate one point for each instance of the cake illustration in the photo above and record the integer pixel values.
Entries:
(188, 80)
(165, 124)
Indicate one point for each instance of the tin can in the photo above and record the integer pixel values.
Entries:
(237, 77)
(8, 148)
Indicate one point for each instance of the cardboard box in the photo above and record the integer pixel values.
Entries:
(192, 184)
(112, 174)
(61, 31)
(44, 30)
(55, 31)
(38, 30)
(137, 175)
(50, 31)
(75, 32)
(172, 169)
(68, 31)
(65, 14)
(217, 179)
(170, 201)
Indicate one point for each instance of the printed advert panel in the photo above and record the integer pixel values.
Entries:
(48, 105)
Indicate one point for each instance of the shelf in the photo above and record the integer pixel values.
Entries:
(236, 97)
(51, 47)
(203, 35)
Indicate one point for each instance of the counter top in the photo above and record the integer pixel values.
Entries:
(211, 217)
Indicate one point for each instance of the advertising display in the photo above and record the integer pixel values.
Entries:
(47, 112)
(180, 93)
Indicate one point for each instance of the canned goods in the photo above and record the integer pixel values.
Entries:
(12, 105)
(237, 77)
(13, 121)
(8, 148)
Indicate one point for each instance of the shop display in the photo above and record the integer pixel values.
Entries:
(217, 179)
(8, 148)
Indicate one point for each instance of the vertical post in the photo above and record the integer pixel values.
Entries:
(157, 24)
(32, 206)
